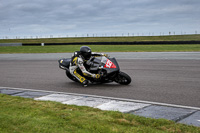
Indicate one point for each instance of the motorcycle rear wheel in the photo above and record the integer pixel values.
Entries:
(123, 78)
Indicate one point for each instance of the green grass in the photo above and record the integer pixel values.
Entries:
(101, 48)
(106, 39)
(20, 115)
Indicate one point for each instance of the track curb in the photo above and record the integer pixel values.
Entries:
(178, 113)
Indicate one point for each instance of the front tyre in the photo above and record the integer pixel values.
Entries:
(123, 78)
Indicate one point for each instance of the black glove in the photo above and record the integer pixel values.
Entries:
(97, 76)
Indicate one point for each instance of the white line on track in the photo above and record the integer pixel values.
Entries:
(104, 97)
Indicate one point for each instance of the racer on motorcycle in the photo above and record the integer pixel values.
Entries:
(78, 61)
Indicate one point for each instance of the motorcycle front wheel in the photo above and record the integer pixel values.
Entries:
(123, 78)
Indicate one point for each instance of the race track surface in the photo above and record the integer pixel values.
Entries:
(171, 80)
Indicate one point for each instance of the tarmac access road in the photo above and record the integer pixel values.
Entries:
(167, 77)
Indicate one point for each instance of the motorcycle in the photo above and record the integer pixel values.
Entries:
(107, 67)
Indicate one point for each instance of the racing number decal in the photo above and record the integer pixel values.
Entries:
(109, 64)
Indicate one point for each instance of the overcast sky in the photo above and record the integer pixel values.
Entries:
(98, 17)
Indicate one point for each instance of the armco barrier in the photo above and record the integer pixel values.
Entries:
(116, 43)
(10, 44)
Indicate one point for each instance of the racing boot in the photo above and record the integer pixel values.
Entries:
(85, 83)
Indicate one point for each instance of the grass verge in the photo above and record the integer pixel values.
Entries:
(101, 48)
(105, 39)
(26, 115)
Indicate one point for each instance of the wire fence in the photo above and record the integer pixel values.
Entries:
(100, 35)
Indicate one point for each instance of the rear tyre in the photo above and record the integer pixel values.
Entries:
(71, 77)
(123, 78)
